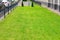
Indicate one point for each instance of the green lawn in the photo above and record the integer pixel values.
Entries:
(30, 23)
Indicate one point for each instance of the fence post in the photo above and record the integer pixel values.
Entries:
(8, 8)
(11, 7)
(4, 11)
(14, 5)
(59, 8)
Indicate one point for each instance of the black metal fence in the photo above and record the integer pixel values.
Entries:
(59, 8)
(7, 9)
(37, 2)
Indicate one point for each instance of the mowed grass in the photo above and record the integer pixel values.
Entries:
(30, 23)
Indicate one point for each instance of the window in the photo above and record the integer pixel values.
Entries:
(56, 1)
(49, 1)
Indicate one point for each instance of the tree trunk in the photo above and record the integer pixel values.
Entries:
(22, 3)
(32, 4)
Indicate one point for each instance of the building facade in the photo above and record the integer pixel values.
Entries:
(54, 4)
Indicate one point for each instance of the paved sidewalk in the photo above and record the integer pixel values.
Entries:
(55, 11)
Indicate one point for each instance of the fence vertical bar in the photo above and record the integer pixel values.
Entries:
(4, 11)
(8, 8)
(59, 8)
